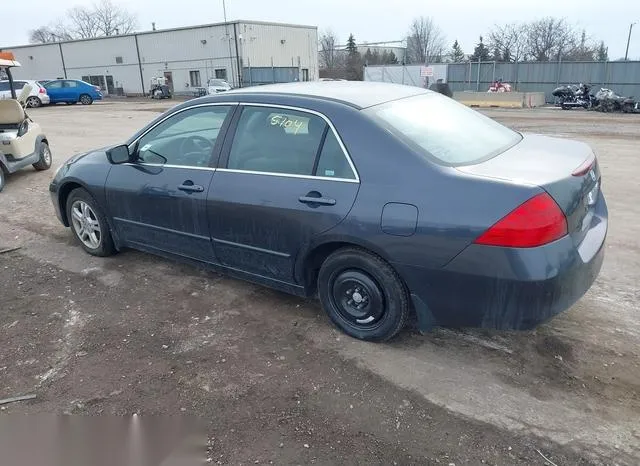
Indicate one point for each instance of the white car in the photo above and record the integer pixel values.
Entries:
(37, 97)
(215, 86)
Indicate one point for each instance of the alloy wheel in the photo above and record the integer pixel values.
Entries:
(86, 224)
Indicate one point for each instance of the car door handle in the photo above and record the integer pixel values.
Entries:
(190, 187)
(317, 199)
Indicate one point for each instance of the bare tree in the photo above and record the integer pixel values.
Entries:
(329, 55)
(101, 19)
(41, 35)
(510, 41)
(549, 38)
(425, 42)
(112, 19)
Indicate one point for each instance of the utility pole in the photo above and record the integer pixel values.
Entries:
(626, 54)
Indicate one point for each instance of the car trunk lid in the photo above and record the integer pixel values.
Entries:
(566, 169)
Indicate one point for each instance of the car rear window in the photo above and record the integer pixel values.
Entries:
(444, 130)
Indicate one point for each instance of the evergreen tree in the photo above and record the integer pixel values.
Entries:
(368, 58)
(480, 53)
(457, 55)
(602, 54)
(377, 58)
(354, 60)
(391, 58)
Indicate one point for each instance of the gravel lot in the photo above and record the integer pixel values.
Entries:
(274, 381)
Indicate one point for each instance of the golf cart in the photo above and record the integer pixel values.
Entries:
(159, 88)
(22, 142)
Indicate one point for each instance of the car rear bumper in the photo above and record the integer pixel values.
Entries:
(45, 99)
(508, 288)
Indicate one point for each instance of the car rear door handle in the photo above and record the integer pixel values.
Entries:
(189, 187)
(315, 198)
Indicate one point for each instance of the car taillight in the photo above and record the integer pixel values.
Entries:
(585, 167)
(42, 90)
(536, 222)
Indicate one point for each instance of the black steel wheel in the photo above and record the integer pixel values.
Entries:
(363, 295)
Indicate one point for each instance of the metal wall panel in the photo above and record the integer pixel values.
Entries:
(622, 77)
(40, 62)
(281, 46)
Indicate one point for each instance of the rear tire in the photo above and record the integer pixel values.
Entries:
(362, 294)
(45, 158)
(89, 224)
(33, 102)
(2, 178)
(85, 99)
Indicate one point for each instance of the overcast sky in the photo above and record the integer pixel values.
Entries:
(368, 20)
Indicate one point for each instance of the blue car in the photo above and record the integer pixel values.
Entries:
(383, 200)
(72, 91)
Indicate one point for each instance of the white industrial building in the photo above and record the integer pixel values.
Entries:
(242, 52)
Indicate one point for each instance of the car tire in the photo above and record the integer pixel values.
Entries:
(2, 178)
(362, 294)
(44, 163)
(33, 102)
(89, 224)
(85, 99)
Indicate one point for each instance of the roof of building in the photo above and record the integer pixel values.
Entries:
(160, 31)
(354, 93)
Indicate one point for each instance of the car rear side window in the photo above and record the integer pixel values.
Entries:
(444, 130)
(70, 84)
(276, 140)
(53, 85)
(332, 162)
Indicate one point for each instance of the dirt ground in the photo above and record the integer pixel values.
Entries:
(274, 381)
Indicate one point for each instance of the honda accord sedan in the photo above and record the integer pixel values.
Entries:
(385, 201)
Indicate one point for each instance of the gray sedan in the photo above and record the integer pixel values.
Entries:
(383, 200)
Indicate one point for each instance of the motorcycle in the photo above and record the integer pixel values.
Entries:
(574, 96)
(609, 101)
(499, 86)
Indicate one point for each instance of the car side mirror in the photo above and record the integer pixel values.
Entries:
(119, 154)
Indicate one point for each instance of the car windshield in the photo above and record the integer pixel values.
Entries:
(444, 130)
(218, 82)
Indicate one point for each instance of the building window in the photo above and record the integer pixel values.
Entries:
(221, 73)
(194, 77)
(119, 60)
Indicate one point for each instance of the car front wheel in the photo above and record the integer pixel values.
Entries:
(86, 99)
(88, 223)
(363, 295)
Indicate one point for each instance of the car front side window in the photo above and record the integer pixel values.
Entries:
(54, 85)
(184, 139)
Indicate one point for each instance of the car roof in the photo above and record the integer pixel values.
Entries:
(357, 94)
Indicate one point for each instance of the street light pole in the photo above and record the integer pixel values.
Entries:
(626, 54)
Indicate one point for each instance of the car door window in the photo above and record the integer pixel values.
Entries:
(333, 162)
(273, 140)
(185, 139)
(19, 85)
(4, 86)
(70, 84)
(54, 85)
